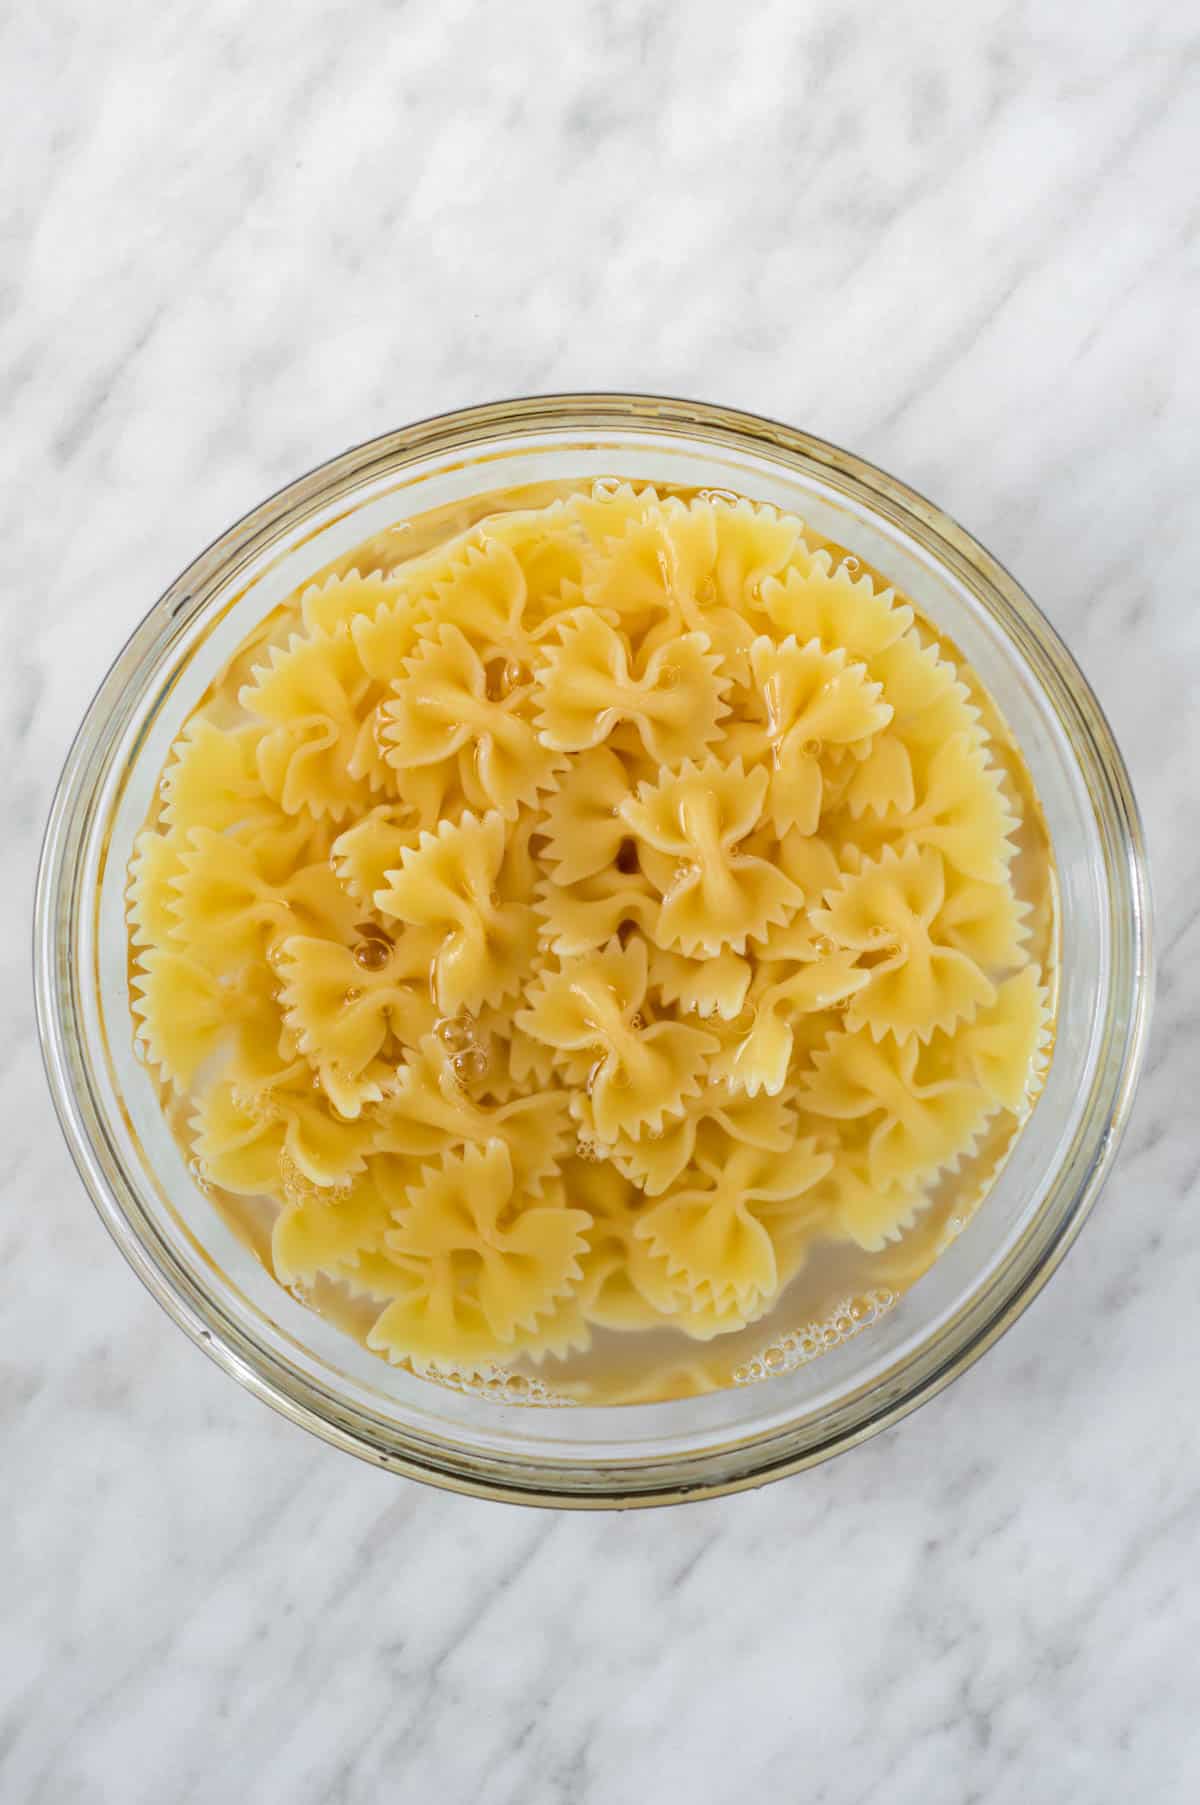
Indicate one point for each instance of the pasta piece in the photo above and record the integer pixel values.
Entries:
(185, 1014)
(310, 695)
(212, 779)
(703, 1313)
(810, 862)
(674, 700)
(721, 895)
(754, 543)
(684, 568)
(929, 702)
(483, 1271)
(656, 1161)
(364, 854)
(758, 1057)
(580, 917)
(229, 903)
(713, 986)
(483, 596)
(810, 699)
(1006, 1044)
(149, 893)
(883, 784)
(527, 1063)
(261, 1047)
(564, 1330)
(624, 1285)
(607, 509)
(547, 545)
(987, 922)
(923, 1126)
(343, 599)
(861, 1210)
(815, 600)
(331, 1230)
(442, 704)
(427, 1111)
(593, 1004)
(454, 881)
(710, 1232)
(582, 822)
(383, 641)
(181, 1010)
(889, 911)
(343, 1003)
(280, 1137)
(654, 570)
(962, 812)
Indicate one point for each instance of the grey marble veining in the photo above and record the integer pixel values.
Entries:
(963, 240)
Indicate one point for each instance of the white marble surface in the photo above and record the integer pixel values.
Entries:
(961, 238)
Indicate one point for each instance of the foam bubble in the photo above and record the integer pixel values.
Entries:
(798, 1346)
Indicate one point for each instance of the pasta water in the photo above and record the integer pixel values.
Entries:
(596, 944)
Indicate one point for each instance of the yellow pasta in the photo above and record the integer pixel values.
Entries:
(585, 927)
(715, 893)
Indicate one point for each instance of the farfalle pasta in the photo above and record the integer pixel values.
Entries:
(594, 927)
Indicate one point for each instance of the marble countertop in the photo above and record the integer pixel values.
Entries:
(962, 240)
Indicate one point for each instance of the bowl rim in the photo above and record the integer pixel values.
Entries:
(736, 1465)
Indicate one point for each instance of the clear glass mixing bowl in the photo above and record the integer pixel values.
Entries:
(633, 1454)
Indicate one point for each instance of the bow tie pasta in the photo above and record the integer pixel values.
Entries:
(603, 923)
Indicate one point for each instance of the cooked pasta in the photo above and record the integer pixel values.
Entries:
(582, 927)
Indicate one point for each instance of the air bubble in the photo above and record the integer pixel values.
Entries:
(812, 748)
(725, 495)
(372, 954)
(453, 1032)
(606, 488)
(199, 1174)
(470, 1065)
(800, 1346)
(851, 566)
(491, 1383)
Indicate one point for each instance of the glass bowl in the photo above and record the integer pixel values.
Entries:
(634, 1454)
